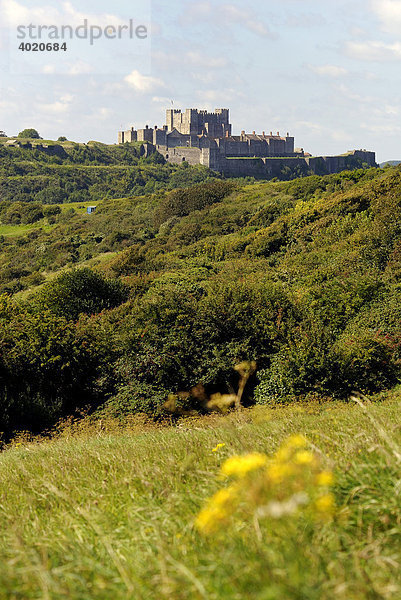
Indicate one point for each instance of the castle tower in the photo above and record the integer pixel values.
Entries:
(200, 122)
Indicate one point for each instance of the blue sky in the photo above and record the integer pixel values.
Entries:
(326, 71)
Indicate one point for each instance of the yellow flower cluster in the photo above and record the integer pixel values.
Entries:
(290, 482)
(217, 510)
(240, 466)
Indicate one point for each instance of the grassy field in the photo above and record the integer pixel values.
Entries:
(17, 230)
(101, 513)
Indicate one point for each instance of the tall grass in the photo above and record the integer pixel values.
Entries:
(110, 515)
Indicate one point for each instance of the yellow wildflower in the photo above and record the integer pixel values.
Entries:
(209, 519)
(240, 466)
(304, 457)
(222, 497)
(293, 443)
(325, 478)
(218, 447)
(296, 441)
(277, 472)
(216, 511)
(325, 504)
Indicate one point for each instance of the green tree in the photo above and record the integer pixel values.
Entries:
(29, 133)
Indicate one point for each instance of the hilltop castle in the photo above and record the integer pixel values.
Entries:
(200, 137)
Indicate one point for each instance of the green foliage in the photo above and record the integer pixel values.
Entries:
(302, 277)
(134, 397)
(80, 291)
(184, 201)
(55, 173)
(29, 133)
(47, 368)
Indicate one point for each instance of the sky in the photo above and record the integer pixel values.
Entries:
(326, 71)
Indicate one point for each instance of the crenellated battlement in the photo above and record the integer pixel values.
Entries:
(203, 137)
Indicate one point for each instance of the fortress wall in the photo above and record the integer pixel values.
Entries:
(272, 167)
(258, 167)
(334, 164)
(178, 155)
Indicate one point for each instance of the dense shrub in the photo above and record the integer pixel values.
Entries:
(80, 291)
(182, 202)
(47, 367)
(301, 277)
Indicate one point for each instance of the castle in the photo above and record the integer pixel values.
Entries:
(200, 137)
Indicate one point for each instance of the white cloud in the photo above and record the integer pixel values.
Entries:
(49, 69)
(339, 135)
(218, 97)
(15, 13)
(234, 14)
(80, 68)
(310, 126)
(161, 100)
(143, 83)
(227, 14)
(328, 70)
(305, 20)
(346, 92)
(61, 106)
(380, 129)
(389, 13)
(103, 113)
(196, 58)
(201, 60)
(374, 51)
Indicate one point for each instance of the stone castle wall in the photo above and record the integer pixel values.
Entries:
(199, 137)
(194, 121)
(266, 168)
(178, 155)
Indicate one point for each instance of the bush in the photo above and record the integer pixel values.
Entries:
(365, 362)
(51, 195)
(136, 397)
(80, 291)
(47, 368)
(182, 202)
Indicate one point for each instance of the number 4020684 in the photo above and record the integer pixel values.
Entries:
(36, 47)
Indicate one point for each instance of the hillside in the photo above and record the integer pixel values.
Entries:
(101, 514)
(50, 173)
(301, 277)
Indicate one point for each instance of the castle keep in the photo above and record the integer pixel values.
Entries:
(199, 137)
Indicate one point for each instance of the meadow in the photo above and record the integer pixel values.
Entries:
(111, 509)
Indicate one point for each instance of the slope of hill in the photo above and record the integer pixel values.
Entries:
(51, 173)
(101, 515)
(302, 277)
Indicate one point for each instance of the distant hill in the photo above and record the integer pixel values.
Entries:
(392, 163)
(54, 173)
